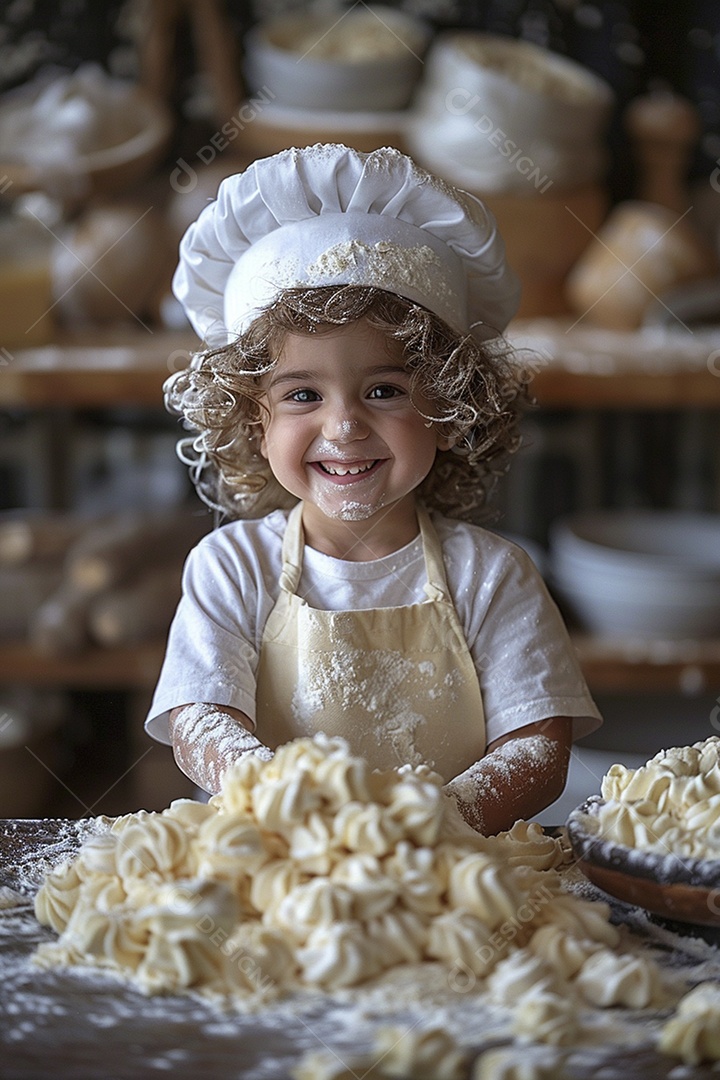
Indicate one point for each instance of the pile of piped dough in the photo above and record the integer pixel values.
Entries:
(310, 869)
(671, 805)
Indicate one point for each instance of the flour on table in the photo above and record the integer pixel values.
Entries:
(10, 898)
(420, 1052)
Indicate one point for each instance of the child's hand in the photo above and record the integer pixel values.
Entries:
(207, 739)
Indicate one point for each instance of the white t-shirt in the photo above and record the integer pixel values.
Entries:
(525, 661)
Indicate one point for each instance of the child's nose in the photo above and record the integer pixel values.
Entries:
(342, 425)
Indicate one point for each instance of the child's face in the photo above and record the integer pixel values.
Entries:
(342, 433)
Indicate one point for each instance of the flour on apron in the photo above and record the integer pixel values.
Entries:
(398, 683)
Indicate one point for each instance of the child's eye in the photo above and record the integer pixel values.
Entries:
(385, 391)
(303, 396)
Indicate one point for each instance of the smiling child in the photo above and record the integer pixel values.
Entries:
(352, 410)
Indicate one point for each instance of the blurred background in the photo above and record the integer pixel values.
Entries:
(592, 130)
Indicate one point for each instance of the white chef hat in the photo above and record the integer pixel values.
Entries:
(331, 215)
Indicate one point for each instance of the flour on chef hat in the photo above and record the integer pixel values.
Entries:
(330, 215)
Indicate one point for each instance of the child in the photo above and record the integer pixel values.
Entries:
(358, 380)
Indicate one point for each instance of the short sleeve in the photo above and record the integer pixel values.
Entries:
(212, 651)
(526, 663)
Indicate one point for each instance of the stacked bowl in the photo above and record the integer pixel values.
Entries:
(332, 77)
(645, 574)
(499, 115)
(368, 58)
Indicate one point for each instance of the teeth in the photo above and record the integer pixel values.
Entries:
(353, 470)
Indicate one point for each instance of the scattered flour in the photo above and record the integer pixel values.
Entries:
(62, 1011)
(386, 263)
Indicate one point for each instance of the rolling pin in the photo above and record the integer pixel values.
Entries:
(30, 537)
(129, 544)
(141, 610)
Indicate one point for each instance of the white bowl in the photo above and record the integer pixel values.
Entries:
(493, 113)
(370, 58)
(108, 170)
(649, 574)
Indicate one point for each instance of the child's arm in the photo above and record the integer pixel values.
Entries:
(521, 774)
(206, 739)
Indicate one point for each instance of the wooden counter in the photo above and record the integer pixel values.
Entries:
(132, 667)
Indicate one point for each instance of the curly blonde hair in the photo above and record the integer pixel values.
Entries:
(476, 389)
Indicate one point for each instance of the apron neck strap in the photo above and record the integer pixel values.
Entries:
(436, 587)
(292, 551)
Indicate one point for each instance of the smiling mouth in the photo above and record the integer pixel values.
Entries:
(346, 473)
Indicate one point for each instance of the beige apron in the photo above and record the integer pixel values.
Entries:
(398, 683)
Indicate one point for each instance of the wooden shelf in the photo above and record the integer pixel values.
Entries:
(130, 668)
(574, 368)
(120, 366)
(637, 666)
(610, 666)
(554, 388)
